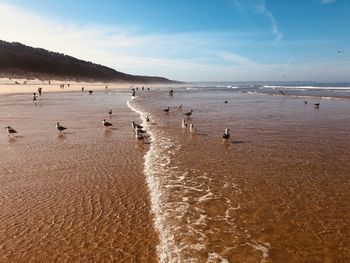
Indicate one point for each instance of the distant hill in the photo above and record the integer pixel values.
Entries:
(21, 61)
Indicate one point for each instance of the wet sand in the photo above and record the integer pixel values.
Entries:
(76, 197)
(277, 191)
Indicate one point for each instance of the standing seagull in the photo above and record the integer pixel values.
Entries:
(34, 97)
(59, 127)
(183, 123)
(166, 110)
(10, 131)
(106, 123)
(192, 128)
(110, 112)
(135, 125)
(147, 119)
(317, 105)
(188, 114)
(226, 134)
(139, 136)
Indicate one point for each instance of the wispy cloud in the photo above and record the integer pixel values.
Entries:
(237, 4)
(327, 1)
(236, 59)
(123, 48)
(183, 56)
(274, 27)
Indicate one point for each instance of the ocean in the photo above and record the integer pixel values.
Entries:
(276, 191)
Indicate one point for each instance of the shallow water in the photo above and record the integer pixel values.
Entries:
(277, 191)
(76, 197)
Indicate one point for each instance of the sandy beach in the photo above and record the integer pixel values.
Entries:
(15, 86)
(277, 191)
(77, 196)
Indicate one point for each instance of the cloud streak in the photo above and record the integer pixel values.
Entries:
(123, 48)
(327, 1)
(274, 27)
(182, 56)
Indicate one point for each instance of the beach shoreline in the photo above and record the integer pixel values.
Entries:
(264, 195)
(24, 86)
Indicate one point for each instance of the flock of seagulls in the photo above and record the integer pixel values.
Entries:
(138, 129)
(59, 127)
(316, 105)
(191, 127)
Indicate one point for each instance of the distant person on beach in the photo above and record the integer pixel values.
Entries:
(39, 91)
(133, 94)
(143, 88)
(171, 92)
(34, 97)
(82, 89)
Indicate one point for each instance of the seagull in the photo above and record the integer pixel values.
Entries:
(91, 91)
(183, 123)
(110, 112)
(59, 127)
(226, 134)
(340, 51)
(192, 128)
(225, 101)
(135, 125)
(180, 107)
(138, 130)
(10, 131)
(188, 114)
(147, 119)
(283, 93)
(166, 110)
(106, 123)
(139, 136)
(305, 102)
(317, 105)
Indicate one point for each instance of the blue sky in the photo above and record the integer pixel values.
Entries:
(207, 40)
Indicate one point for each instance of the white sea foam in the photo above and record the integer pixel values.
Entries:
(214, 257)
(306, 87)
(171, 191)
(263, 248)
(155, 167)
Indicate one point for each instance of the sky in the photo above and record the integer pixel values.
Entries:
(192, 40)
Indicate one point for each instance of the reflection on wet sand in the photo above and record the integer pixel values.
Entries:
(277, 191)
(74, 196)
